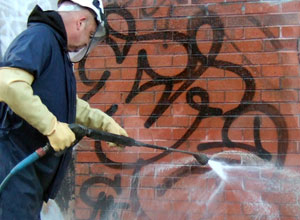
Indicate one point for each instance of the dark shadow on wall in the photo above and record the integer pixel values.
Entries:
(66, 196)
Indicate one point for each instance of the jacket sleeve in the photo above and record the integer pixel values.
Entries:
(16, 92)
(96, 119)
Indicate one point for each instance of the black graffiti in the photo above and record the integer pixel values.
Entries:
(197, 64)
(105, 203)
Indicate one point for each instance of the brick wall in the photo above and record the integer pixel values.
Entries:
(210, 76)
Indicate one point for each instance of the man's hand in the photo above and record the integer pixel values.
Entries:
(61, 137)
(97, 119)
(114, 128)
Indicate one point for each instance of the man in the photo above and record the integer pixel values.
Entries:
(38, 100)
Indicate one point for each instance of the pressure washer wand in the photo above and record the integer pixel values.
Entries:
(127, 141)
(80, 132)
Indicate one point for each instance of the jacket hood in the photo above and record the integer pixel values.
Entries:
(51, 18)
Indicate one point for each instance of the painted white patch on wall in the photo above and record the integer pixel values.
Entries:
(51, 211)
(13, 18)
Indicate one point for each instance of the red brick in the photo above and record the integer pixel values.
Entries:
(290, 108)
(242, 21)
(94, 63)
(97, 74)
(141, 98)
(290, 83)
(263, 58)
(214, 134)
(290, 210)
(283, 45)
(232, 208)
(102, 50)
(137, 122)
(175, 194)
(212, 73)
(87, 157)
(293, 31)
(228, 9)
(292, 160)
(83, 88)
(258, 8)
(180, 60)
(292, 6)
(289, 58)
(182, 11)
(279, 96)
(229, 57)
(176, 24)
(160, 61)
(120, 86)
(235, 134)
(143, 24)
(260, 209)
(256, 185)
(280, 70)
(206, 1)
(82, 168)
(217, 97)
(98, 168)
(107, 98)
(243, 46)
(292, 121)
(163, 134)
(156, 12)
(130, 61)
(225, 84)
(157, 205)
(280, 19)
(172, 71)
(80, 179)
(173, 121)
(82, 213)
(169, 48)
(258, 33)
(145, 110)
(197, 134)
(128, 73)
(183, 109)
(267, 83)
(234, 33)
(147, 46)
(277, 197)
(234, 96)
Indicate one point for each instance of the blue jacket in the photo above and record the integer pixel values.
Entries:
(42, 51)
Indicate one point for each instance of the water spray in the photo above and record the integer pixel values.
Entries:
(82, 131)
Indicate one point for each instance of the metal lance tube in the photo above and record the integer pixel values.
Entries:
(127, 141)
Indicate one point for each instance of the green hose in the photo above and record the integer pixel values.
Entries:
(25, 162)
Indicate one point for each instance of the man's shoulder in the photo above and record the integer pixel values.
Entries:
(40, 28)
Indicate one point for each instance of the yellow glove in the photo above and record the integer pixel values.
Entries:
(17, 93)
(96, 119)
(61, 137)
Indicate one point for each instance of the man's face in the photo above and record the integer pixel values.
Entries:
(82, 34)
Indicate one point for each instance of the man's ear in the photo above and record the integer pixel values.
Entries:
(81, 22)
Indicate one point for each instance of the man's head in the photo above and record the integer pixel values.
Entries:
(84, 25)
